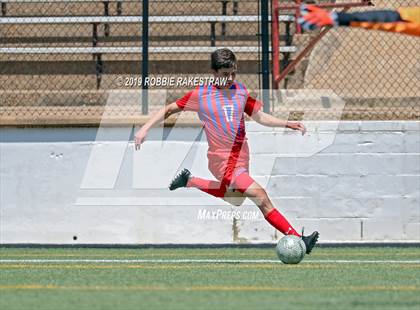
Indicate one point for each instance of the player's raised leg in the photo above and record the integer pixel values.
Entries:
(185, 179)
(211, 187)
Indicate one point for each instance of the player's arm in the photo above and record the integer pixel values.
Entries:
(272, 121)
(315, 17)
(408, 15)
(253, 110)
(404, 20)
(163, 114)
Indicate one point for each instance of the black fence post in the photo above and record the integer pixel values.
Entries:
(106, 13)
(3, 9)
(265, 44)
(145, 58)
(224, 12)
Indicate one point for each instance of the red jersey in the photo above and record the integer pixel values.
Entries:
(222, 113)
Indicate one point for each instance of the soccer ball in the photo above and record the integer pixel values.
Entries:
(291, 249)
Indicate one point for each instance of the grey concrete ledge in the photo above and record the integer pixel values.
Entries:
(343, 126)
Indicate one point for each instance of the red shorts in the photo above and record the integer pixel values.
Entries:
(232, 170)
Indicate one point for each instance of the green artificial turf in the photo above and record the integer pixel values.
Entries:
(321, 281)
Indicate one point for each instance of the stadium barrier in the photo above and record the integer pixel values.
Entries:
(179, 44)
(86, 47)
(352, 183)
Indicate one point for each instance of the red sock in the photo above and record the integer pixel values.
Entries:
(214, 188)
(276, 219)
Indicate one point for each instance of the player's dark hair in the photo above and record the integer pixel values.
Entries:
(222, 58)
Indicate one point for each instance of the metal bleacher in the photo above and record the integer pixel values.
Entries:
(114, 33)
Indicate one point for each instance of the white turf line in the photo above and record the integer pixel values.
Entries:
(217, 261)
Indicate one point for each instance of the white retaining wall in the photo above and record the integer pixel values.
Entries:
(358, 182)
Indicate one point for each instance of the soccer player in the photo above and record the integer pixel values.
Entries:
(221, 109)
(404, 20)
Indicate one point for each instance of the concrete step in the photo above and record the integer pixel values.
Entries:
(63, 68)
(155, 29)
(129, 8)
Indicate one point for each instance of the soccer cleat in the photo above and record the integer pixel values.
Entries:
(180, 180)
(310, 241)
